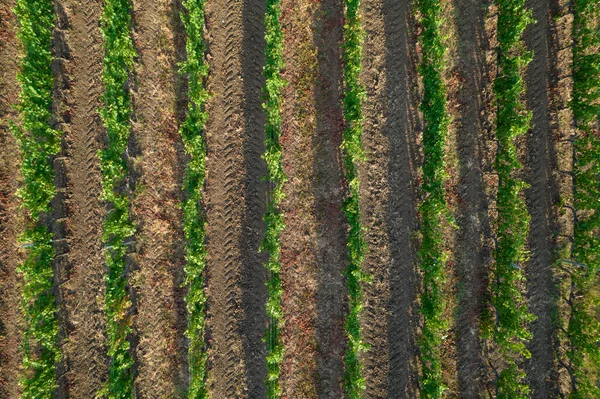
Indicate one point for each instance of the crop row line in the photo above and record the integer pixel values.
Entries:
(583, 331)
(509, 328)
(276, 178)
(353, 155)
(433, 208)
(117, 66)
(39, 143)
(194, 221)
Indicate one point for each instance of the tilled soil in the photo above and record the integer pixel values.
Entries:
(83, 289)
(313, 242)
(158, 163)
(11, 218)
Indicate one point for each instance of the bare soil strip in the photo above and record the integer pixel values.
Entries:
(299, 245)
(389, 180)
(254, 275)
(158, 161)
(472, 251)
(540, 164)
(329, 193)
(375, 194)
(84, 352)
(11, 219)
(232, 137)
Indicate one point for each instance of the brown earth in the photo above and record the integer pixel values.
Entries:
(82, 292)
(299, 238)
(11, 218)
(158, 163)
(234, 200)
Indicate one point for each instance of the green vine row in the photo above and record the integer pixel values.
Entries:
(118, 227)
(39, 143)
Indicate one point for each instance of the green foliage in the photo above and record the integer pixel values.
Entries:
(117, 62)
(583, 330)
(433, 208)
(194, 221)
(354, 93)
(510, 330)
(39, 142)
(276, 178)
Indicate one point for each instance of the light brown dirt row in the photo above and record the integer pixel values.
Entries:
(82, 268)
(234, 200)
(158, 164)
(329, 194)
(471, 250)
(299, 238)
(388, 178)
(11, 219)
(541, 196)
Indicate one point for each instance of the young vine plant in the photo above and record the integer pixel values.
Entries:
(39, 143)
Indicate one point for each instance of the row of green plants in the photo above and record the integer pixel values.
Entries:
(39, 143)
(276, 178)
(353, 155)
(118, 227)
(433, 208)
(509, 327)
(583, 330)
(195, 68)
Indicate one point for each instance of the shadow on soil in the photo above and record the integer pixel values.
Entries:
(254, 275)
(473, 255)
(402, 128)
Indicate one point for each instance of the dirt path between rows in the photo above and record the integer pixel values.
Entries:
(11, 219)
(541, 196)
(158, 163)
(299, 378)
(329, 193)
(234, 200)
(388, 196)
(472, 252)
(84, 350)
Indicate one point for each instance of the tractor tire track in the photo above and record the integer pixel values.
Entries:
(401, 127)
(84, 352)
(11, 219)
(375, 193)
(254, 274)
(158, 162)
(541, 196)
(225, 200)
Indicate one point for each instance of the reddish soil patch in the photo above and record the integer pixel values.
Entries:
(11, 219)
(299, 238)
(158, 163)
